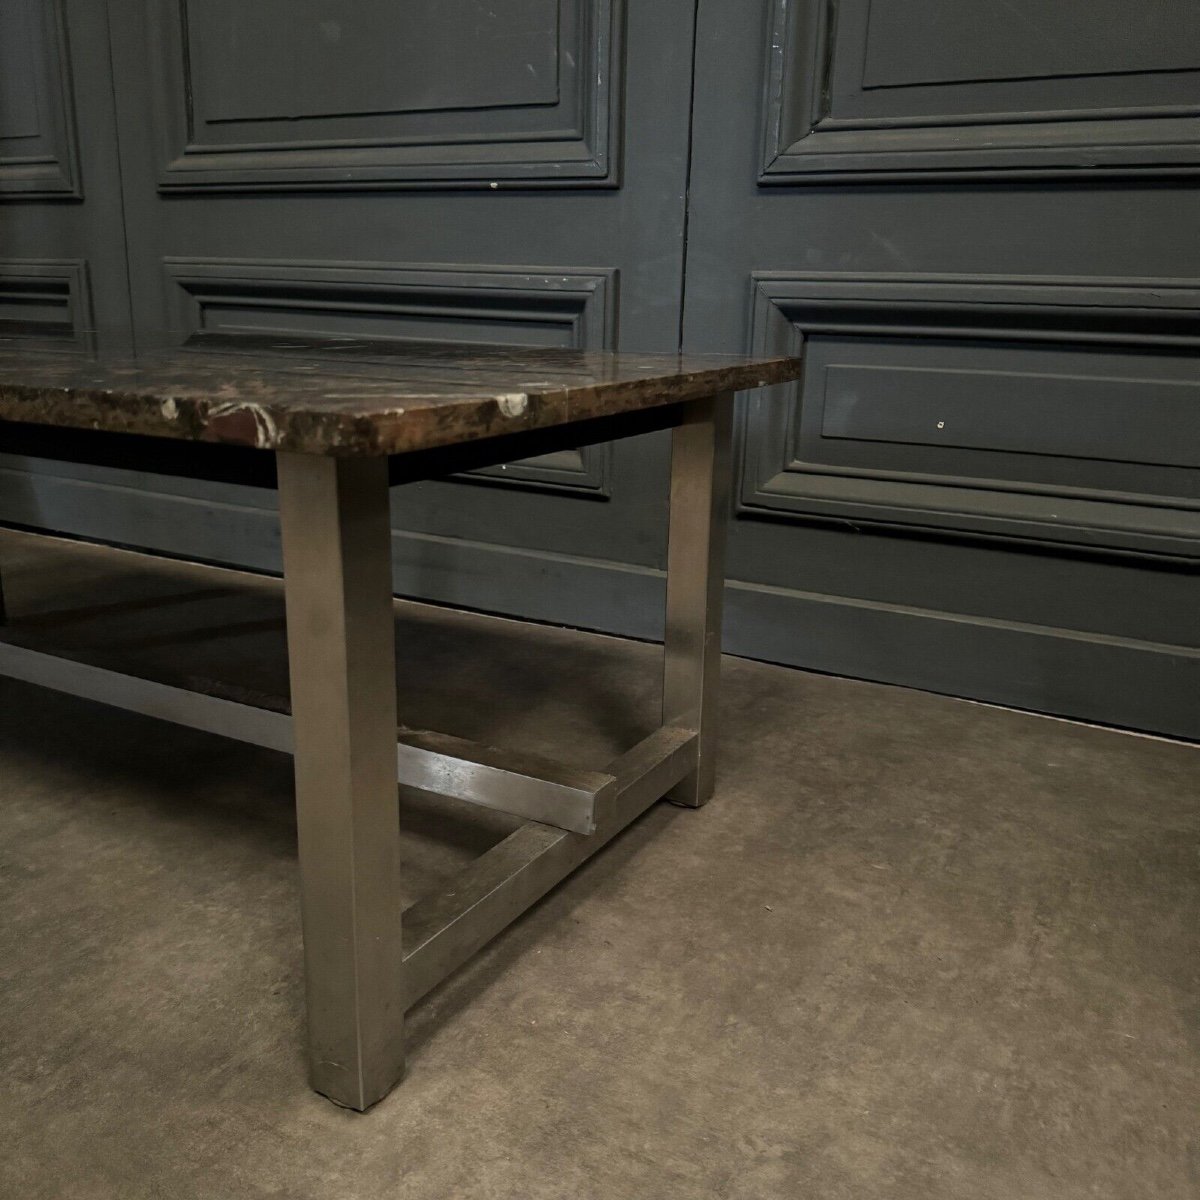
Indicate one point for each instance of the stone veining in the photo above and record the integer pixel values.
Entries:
(351, 396)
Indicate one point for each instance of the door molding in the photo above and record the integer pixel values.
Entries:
(1080, 330)
(571, 139)
(41, 162)
(575, 308)
(817, 64)
(47, 299)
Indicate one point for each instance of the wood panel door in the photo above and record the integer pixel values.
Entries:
(62, 236)
(981, 225)
(511, 172)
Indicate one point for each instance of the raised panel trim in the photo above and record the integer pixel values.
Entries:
(787, 308)
(46, 300)
(582, 302)
(54, 175)
(582, 157)
(803, 143)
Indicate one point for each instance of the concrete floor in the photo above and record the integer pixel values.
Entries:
(916, 948)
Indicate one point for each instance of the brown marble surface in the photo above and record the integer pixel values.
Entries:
(350, 396)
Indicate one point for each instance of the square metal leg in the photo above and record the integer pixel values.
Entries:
(700, 481)
(338, 585)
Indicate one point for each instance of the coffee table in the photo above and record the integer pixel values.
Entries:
(333, 423)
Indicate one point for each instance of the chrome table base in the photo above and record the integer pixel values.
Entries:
(365, 962)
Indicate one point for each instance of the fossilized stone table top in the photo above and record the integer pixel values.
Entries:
(350, 396)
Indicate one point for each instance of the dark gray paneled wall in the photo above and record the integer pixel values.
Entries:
(525, 181)
(979, 223)
(62, 234)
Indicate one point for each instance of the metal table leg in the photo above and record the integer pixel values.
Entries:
(337, 580)
(700, 480)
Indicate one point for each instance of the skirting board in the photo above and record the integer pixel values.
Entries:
(1114, 681)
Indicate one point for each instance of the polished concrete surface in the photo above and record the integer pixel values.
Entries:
(915, 948)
